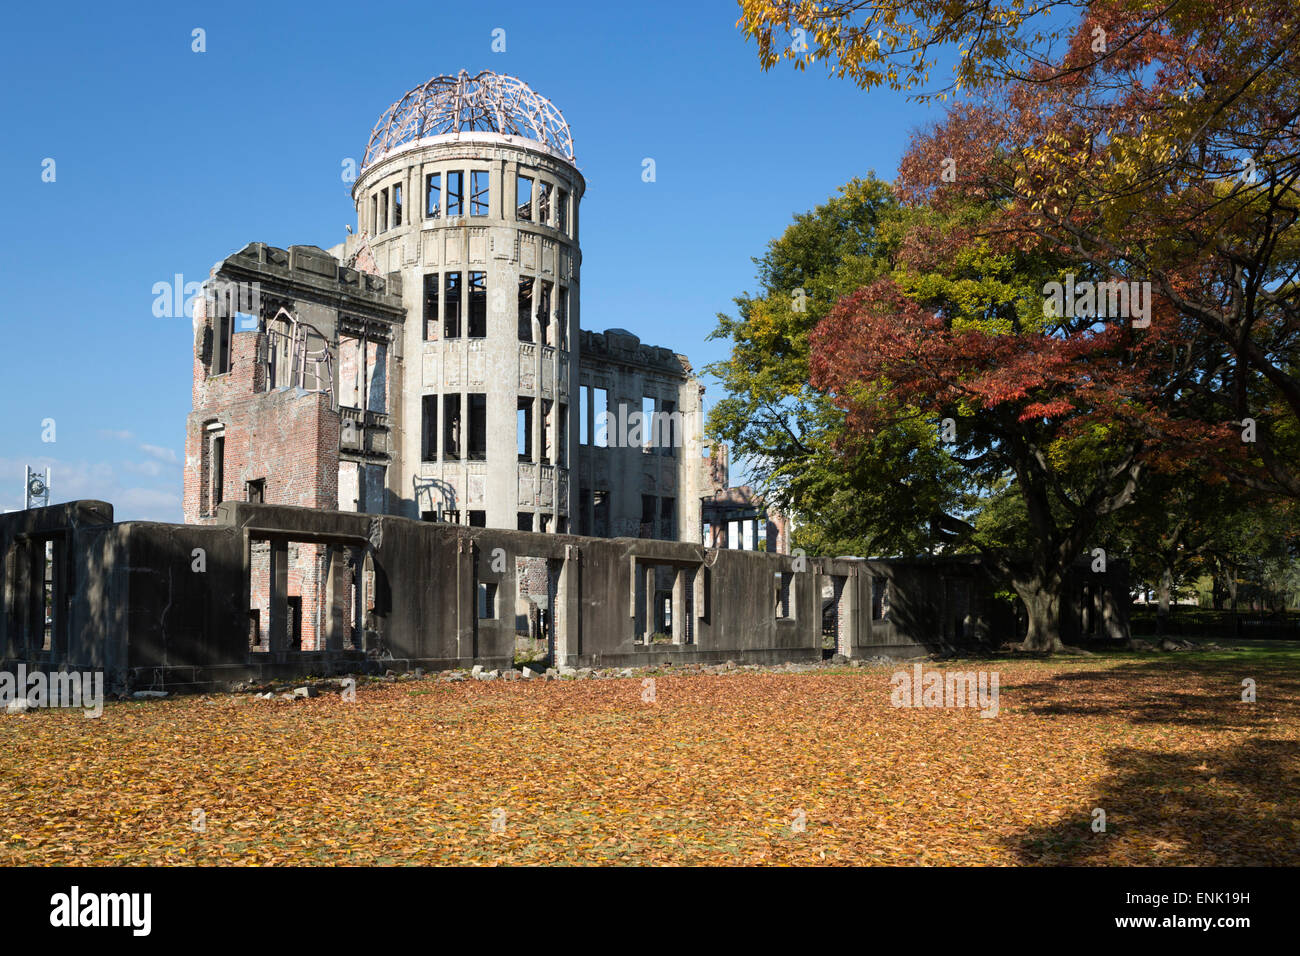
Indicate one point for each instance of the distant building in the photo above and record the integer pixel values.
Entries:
(738, 518)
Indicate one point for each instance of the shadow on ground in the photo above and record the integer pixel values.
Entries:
(1234, 804)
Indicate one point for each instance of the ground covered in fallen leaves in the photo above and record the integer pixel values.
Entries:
(745, 768)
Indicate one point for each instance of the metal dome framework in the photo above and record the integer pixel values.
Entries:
(489, 102)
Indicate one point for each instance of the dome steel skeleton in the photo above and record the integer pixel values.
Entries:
(488, 102)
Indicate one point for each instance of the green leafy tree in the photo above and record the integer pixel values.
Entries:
(789, 435)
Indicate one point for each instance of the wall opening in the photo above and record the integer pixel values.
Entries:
(663, 602)
(477, 427)
(477, 305)
(451, 306)
(544, 202)
(479, 196)
(548, 452)
(451, 429)
(784, 600)
(523, 199)
(456, 194)
(433, 196)
(429, 428)
(430, 314)
(487, 600)
(544, 313)
(525, 309)
(524, 429)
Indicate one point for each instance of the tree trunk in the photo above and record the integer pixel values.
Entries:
(1043, 604)
(1162, 610)
(1232, 601)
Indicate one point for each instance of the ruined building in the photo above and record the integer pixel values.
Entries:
(405, 452)
(432, 365)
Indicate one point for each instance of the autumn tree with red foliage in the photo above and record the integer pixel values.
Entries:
(1075, 410)
(1125, 141)
(1162, 146)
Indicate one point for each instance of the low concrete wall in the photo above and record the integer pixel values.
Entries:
(166, 605)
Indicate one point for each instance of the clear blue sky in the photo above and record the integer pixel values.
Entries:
(169, 160)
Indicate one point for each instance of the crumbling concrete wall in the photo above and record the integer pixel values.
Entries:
(168, 605)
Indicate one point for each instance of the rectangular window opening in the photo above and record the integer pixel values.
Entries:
(562, 318)
(524, 429)
(487, 599)
(562, 436)
(295, 622)
(431, 280)
(548, 453)
(584, 408)
(451, 306)
(479, 195)
(544, 202)
(451, 427)
(433, 196)
(647, 424)
(525, 308)
(429, 428)
(784, 603)
(224, 332)
(456, 194)
(666, 429)
(397, 205)
(601, 408)
(668, 518)
(477, 305)
(544, 313)
(218, 471)
(478, 427)
(523, 199)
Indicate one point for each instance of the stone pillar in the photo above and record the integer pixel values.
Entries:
(649, 572)
(466, 600)
(359, 599)
(679, 606)
(336, 597)
(29, 588)
(278, 632)
(566, 620)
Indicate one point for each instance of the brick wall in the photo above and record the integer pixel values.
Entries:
(306, 583)
(287, 438)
